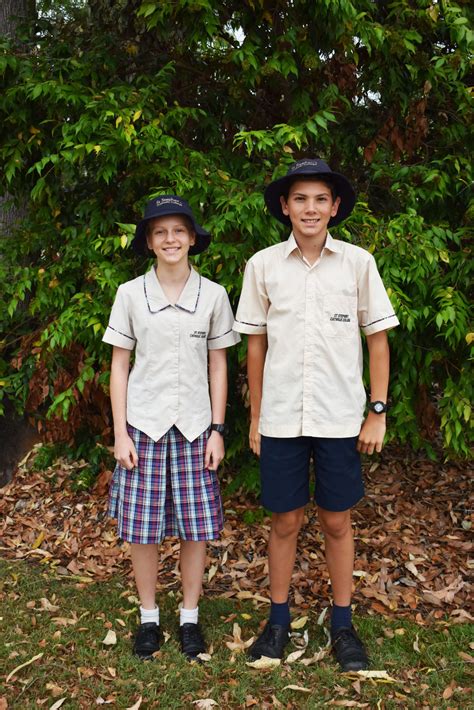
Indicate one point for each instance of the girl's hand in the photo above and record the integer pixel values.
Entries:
(215, 451)
(125, 452)
(372, 434)
(254, 437)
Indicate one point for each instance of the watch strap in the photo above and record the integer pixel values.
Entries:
(220, 428)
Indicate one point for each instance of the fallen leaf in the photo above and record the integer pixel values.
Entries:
(56, 691)
(322, 616)
(297, 687)
(348, 704)
(238, 644)
(264, 663)
(63, 621)
(38, 541)
(415, 645)
(3, 703)
(110, 639)
(137, 704)
(376, 675)
(318, 656)
(205, 703)
(212, 572)
(447, 692)
(204, 656)
(57, 704)
(299, 623)
(292, 657)
(23, 665)
(112, 671)
(47, 606)
(466, 657)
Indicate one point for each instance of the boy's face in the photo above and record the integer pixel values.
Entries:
(310, 206)
(170, 239)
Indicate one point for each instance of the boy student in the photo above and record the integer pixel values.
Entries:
(302, 306)
(168, 417)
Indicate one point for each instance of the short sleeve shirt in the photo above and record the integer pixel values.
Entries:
(313, 316)
(168, 384)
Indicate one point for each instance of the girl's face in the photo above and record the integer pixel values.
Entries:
(170, 239)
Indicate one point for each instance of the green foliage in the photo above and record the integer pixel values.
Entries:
(112, 103)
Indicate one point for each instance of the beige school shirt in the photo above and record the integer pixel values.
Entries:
(168, 384)
(312, 316)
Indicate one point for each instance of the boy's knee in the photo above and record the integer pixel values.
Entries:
(288, 524)
(335, 524)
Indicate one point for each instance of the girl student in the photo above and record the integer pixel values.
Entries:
(168, 412)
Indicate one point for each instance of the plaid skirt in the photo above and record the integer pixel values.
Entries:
(169, 493)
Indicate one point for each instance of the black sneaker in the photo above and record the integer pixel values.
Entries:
(192, 641)
(271, 642)
(349, 650)
(147, 640)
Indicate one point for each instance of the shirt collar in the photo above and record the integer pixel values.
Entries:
(157, 300)
(291, 244)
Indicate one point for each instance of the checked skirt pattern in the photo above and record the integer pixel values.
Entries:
(169, 493)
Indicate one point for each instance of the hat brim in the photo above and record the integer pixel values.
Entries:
(280, 187)
(203, 238)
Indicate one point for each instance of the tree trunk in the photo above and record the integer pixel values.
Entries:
(13, 13)
(16, 434)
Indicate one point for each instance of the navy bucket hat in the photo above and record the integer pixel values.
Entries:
(316, 168)
(162, 206)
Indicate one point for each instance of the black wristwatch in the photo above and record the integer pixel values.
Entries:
(220, 428)
(378, 407)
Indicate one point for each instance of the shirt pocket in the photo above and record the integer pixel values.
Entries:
(340, 316)
(197, 333)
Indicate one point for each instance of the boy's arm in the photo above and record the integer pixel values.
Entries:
(124, 450)
(373, 429)
(218, 392)
(256, 353)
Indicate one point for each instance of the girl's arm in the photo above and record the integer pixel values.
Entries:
(218, 391)
(256, 354)
(124, 449)
(373, 429)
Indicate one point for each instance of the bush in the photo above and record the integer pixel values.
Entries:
(109, 106)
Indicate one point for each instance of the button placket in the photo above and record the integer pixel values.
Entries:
(309, 354)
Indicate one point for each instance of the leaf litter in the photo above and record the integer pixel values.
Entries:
(412, 541)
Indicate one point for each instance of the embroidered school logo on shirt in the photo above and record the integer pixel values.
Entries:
(198, 334)
(342, 317)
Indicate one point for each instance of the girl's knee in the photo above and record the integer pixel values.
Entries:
(287, 524)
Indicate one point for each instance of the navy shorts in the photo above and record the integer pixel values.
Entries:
(284, 472)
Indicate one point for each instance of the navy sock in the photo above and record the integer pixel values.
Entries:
(341, 616)
(280, 614)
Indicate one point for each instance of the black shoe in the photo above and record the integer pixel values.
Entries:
(192, 642)
(271, 642)
(147, 640)
(349, 650)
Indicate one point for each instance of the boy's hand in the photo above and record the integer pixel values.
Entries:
(215, 451)
(125, 452)
(372, 434)
(254, 437)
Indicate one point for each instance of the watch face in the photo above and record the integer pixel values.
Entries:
(378, 407)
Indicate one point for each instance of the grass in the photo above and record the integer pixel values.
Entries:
(75, 664)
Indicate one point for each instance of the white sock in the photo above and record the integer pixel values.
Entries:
(188, 616)
(149, 615)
